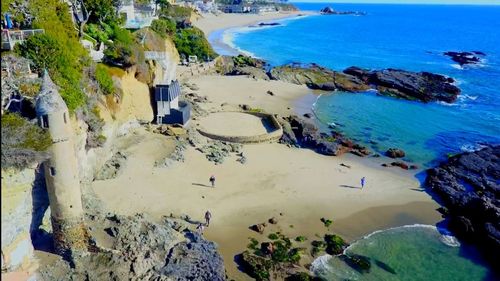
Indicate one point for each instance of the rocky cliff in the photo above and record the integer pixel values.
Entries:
(468, 185)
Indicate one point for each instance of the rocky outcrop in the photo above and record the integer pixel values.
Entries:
(242, 65)
(419, 86)
(143, 250)
(395, 153)
(196, 259)
(464, 58)
(468, 185)
(112, 167)
(331, 11)
(301, 133)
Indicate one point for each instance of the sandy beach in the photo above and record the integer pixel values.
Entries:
(299, 184)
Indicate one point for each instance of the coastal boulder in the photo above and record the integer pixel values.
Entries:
(468, 185)
(464, 58)
(395, 153)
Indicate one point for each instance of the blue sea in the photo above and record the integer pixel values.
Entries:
(410, 37)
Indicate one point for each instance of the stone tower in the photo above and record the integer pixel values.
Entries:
(61, 173)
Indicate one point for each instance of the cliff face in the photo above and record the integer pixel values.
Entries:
(24, 205)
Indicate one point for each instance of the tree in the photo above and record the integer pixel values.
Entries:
(103, 11)
(80, 14)
(164, 27)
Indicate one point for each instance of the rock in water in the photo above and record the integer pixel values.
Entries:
(395, 153)
(418, 86)
(468, 185)
(464, 58)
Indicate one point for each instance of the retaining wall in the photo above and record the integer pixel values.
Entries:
(273, 136)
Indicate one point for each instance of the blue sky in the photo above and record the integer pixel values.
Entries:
(455, 2)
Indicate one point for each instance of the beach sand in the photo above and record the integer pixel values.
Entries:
(298, 183)
(210, 22)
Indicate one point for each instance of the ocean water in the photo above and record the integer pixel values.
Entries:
(411, 37)
(397, 254)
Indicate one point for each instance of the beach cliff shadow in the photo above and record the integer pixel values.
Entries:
(349, 186)
(41, 239)
(200, 184)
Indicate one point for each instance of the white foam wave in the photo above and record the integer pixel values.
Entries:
(457, 66)
(440, 230)
(228, 39)
(471, 147)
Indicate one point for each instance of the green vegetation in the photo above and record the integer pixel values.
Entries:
(177, 13)
(334, 244)
(23, 143)
(301, 276)
(104, 79)
(241, 60)
(164, 27)
(119, 50)
(273, 236)
(192, 41)
(300, 238)
(58, 50)
(253, 244)
(326, 222)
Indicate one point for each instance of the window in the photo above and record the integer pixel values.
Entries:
(45, 121)
(52, 171)
(64, 116)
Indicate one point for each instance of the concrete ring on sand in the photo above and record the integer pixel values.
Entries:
(241, 127)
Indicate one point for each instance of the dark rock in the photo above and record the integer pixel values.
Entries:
(270, 93)
(400, 164)
(331, 11)
(260, 227)
(195, 260)
(299, 132)
(418, 86)
(385, 266)
(112, 231)
(269, 24)
(307, 115)
(464, 58)
(359, 263)
(468, 185)
(395, 153)
(413, 167)
(255, 266)
(273, 220)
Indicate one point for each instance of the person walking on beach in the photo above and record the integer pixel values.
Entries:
(362, 182)
(208, 216)
(212, 180)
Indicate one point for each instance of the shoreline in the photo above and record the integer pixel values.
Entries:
(214, 26)
(299, 183)
(297, 186)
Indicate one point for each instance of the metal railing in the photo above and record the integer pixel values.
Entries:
(11, 37)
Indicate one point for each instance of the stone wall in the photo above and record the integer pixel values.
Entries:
(275, 135)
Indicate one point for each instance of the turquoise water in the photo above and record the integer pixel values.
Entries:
(411, 37)
(411, 252)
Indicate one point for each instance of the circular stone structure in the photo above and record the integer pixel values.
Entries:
(241, 127)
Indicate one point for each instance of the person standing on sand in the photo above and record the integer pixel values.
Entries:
(208, 216)
(362, 182)
(212, 180)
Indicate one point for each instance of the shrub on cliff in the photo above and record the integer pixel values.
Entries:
(164, 27)
(120, 50)
(175, 12)
(192, 42)
(58, 50)
(23, 142)
(104, 79)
